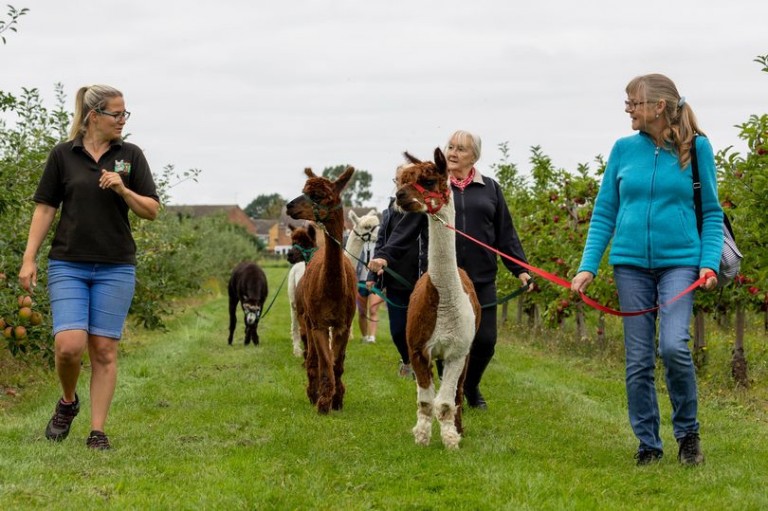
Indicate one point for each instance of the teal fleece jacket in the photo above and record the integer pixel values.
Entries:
(645, 204)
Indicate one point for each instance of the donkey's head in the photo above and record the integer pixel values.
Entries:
(303, 243)
(320, 197)
(423, 185)
(365, 227)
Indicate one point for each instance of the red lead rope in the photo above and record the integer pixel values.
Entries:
(564, 283)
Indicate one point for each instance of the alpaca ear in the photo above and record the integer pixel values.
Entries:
(312, 232)
(292, 228)
(372, 212)
(353, 217)
(343, 179)
(440, 162)
(411, 158)
(309, 173)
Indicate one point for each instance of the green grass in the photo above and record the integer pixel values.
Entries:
(197, 424)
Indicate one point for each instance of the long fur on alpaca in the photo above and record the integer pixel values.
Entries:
(325, 297)
(444, 313)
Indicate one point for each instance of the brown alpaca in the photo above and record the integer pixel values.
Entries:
(325, 296)
(304, 245)
(444, 313)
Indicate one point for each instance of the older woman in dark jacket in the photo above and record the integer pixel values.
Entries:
(481, 212)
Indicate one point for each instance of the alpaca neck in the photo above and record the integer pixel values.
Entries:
(334, 230)
(442, 268)
(354, 247)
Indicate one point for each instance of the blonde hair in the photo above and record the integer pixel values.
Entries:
(88, 99)
(681, 121)
(463, 136)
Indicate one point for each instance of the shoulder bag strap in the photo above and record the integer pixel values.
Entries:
(696, 184)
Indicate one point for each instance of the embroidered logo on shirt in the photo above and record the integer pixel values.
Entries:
(122, 167)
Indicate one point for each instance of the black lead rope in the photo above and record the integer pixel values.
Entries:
(269, 307)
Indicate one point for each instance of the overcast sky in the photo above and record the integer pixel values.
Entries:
(251, 92)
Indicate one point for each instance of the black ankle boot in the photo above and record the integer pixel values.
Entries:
(475, 399)
(475, 370)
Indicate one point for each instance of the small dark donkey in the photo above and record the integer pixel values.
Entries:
(248, 285)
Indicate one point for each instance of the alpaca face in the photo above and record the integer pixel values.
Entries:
(320, 197)
(304, 240)
(252, 313)
(366, 227)
(423, 186)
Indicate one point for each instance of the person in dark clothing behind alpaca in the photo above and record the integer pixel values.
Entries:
(481, 212)
(400, 228)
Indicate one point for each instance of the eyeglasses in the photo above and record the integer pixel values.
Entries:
(631, 105)
(115, 115)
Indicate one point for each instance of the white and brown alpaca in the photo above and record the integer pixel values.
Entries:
(444, 313)
(325, 296)
(359, 250)
(304, 245)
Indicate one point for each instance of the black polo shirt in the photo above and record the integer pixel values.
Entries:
(94, 226)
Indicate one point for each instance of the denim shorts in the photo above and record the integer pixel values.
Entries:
(94, 297)
(362, 290)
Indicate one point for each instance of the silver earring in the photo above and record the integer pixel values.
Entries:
(657, 116)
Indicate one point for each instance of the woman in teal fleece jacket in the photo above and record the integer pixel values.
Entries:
(645, 209)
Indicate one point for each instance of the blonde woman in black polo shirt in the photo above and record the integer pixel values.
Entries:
(96, 178)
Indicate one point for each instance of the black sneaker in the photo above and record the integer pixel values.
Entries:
(58, 427)
(648, 456)
(690, 450)
(98, 440)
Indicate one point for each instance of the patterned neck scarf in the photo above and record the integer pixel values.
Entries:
(462, 183)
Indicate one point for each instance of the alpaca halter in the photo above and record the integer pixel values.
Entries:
(318, 208)
(306, 253)
(433, 200)
(366, 237)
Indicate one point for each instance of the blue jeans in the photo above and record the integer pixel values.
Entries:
(90, 296)
(642, 289)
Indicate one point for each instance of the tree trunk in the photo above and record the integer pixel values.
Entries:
(602, 340)
(739, 362)
(581, 327)
(504, 312)
(699, 341)
(534, 318)
(520, 310)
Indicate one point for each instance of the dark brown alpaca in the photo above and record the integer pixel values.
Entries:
(444, 313)
(304, 245)
(325, 296)
(248, 286)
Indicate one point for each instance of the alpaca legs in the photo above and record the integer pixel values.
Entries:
(445, 403)
(425, 396)
(295, 334)
(339, 344)
(423, 429)
(325, 376)
(312, 373)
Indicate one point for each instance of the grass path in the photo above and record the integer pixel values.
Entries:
(197, 424)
